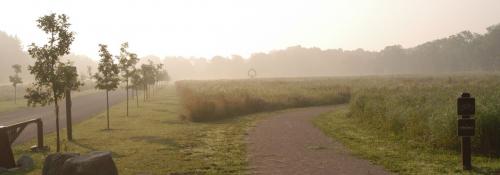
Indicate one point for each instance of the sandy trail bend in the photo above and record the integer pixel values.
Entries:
(289, 144)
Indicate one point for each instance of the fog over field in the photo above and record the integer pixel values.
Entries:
(225, 39)
(249, 87)
(464, 52)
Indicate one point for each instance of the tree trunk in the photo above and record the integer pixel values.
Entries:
(107, 106)
(133, 93)
(126, 87)
(69, 124)
(137, 96)
(15, 94)
(58, 144)
(145, 90)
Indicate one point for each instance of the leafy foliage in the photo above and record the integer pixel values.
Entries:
(16, 79)
(49, 80)
(148, 73)
(70, 75)
(107, 75)
(127, 61)
(136, 79)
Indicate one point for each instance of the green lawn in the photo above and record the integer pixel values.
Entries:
(395, 154)
(9, 105)
(153, 140)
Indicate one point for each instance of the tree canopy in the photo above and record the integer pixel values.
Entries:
(49, 79)
(107, 76)
(16, 79)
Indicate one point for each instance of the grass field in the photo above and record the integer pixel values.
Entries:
(396, 154)
(423, 110)
(417, 112)
(217, 99)
(153, 140)
(405, 123)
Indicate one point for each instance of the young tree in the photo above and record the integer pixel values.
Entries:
(71, 83)
(89, 72)
(157, 74)
(83, 77)
(127, 62)
(107, 75)
(137, 81)
(16, 79)
(148, 78)
(163, 76)
(49, 81)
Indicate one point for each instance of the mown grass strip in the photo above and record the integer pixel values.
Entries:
(395, 154)
(154, 140)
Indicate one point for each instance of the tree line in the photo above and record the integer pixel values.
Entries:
(462, 52)
(459, 53)
(55, 79)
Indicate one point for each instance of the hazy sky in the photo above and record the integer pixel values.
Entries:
(223, 27)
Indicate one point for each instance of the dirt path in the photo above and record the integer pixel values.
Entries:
(289, 144)
(84, 106)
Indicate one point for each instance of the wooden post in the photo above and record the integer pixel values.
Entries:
(466, 153)
(466, 108)
(6, 155)
(39, 126)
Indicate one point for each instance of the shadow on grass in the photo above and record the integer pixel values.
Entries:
(174, 122)
(90, 148)
(156, 140)
(170, 103)
(113, 129)
(164, 110)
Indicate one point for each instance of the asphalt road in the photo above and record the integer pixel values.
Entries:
(83, 107)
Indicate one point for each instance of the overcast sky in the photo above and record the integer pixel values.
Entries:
(224, 27)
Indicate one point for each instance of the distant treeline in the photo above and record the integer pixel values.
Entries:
(463, 52)
(11, 53)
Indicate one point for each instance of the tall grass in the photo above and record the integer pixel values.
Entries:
(218, 99)
(423, 111)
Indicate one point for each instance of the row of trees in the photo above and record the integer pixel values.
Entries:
(108, 75)
(463, 52)
(55, 79)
